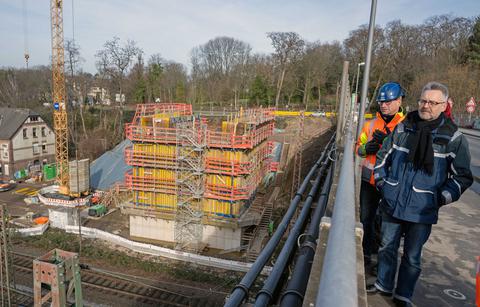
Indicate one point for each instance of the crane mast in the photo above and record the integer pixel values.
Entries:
(59, 99)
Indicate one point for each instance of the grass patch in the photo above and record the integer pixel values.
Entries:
(95, 250)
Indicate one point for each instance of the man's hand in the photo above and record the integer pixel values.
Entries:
(379, 185)
(372, 147)
(379, 136)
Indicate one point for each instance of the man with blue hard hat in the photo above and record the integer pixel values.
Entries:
(369, 142)
(423, 165)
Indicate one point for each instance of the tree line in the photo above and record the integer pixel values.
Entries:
(225, 72)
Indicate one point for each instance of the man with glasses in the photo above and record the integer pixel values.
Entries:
(369, 142)
(422, 166)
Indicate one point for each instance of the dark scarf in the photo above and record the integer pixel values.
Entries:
(420, 142)
(387, 118)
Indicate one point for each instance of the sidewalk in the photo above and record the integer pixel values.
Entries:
(449, 258)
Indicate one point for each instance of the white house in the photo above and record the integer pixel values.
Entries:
(26, 141)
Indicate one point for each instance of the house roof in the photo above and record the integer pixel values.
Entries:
(11, 120)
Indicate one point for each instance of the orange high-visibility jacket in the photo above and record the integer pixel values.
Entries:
(366, 135)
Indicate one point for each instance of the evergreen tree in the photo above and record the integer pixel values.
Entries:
(259, 91)
(473, 54)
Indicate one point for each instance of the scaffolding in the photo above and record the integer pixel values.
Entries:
(190, 185)
(194, 172)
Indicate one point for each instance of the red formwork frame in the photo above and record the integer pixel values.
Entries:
(232, 193)
(235, 167)
(215, 139)
(258, 134)
(261, 126)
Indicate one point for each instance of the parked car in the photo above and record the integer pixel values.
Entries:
(6, 186)
(476, 124)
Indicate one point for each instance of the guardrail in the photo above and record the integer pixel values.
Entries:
(338, 283)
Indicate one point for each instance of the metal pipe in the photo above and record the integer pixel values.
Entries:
(366, 71)
(240, 291)
(297, 285)
(338, 283)
(266, 293)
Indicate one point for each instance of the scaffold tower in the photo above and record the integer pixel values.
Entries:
(191, 144)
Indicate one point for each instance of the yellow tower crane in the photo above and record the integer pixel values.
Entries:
(60, 122)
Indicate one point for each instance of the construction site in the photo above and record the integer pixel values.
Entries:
(186, 194)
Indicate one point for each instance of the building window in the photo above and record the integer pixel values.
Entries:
(44, 147)
(4, 151)
(24, 133)
(34, 132)
(43, 132)
(36, 149)
(34, 118)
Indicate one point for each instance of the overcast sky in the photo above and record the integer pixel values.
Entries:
(172, 28)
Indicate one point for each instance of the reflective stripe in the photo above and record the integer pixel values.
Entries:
(422, 191)
(368, 165)
(399, 148)
(384, 159)
(444, 155)
(455, 135)
(458, 185)
(390, 183)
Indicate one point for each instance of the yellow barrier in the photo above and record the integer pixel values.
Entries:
(291, 113)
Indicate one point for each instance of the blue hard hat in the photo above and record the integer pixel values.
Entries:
(390, 91)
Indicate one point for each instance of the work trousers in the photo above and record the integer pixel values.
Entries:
(369, 199)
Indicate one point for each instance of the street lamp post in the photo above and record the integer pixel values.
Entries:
(366, 70)
(358, 76)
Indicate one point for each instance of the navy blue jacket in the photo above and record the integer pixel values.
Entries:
(413, 195)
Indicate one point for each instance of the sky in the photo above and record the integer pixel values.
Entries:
(173, 28)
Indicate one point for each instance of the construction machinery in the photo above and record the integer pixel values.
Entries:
(60, 121)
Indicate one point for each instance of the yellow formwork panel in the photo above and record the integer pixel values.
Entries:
(238, 155)
(155, 200)
(155, 149)
(156, 173)
(161, 120)
(221, 208)
(225, 180)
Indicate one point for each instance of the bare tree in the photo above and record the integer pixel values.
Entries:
(220, 66)
(115, 59)
(288, 46)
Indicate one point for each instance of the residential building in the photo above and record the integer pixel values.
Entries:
(26, 141)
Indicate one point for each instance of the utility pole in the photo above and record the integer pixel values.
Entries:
(5, 272)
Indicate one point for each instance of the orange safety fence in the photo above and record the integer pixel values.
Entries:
(149, 109)
(257, 116)
(140, 133)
